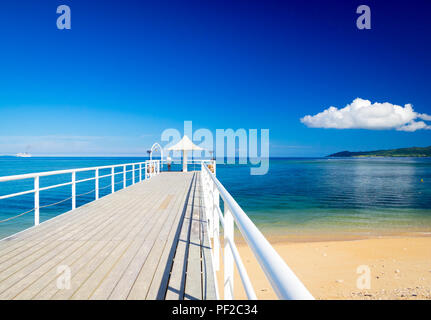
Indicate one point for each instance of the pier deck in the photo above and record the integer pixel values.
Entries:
(148, 241)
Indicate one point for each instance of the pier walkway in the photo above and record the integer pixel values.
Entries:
(147, 241)
(159, 237)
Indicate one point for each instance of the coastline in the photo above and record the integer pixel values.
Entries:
(333, 234)
(400, 266)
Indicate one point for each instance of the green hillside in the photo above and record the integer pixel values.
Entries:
(403, 152)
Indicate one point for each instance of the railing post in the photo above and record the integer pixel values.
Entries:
(112, 179)
(73, 190)
(228, 257)
(214, 166)
(124, 177)
(140, 172)
(211, 207)
(97, 184)
(146, 170)
(36, 201)
(133, 174)
(216, 228)
(208, 207)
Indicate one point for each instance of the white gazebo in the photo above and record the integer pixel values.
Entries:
(185, 145)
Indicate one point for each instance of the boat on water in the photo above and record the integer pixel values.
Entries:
(23, 155)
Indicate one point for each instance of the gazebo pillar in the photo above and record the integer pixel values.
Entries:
(184, 160)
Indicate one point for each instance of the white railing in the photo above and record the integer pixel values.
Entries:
(151, 168)
(282, 279)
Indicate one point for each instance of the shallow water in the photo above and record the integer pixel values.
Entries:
(352, 195)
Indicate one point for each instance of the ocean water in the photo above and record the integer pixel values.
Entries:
(335, 197)
(297, 197)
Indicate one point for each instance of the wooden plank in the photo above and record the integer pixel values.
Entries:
(166, 202)
(130, 197)
(60, 221)
(95, 271)
(121, 246)
(19, 246)
(23, 266)
(193, 288)
(107, 287)
(19, 267)
(148, 268)
(92, 247)
(161, 277)
(129, 275)
(44, 233)
(176, 284)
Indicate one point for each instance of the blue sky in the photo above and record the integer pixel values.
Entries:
(130, 69)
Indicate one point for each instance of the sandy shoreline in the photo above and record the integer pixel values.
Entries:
(400, 267)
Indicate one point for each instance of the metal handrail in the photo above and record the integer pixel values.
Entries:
(57, 172)
(246, 282)
(138, 166)
(282, 279)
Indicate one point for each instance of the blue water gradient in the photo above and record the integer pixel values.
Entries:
(297, 196)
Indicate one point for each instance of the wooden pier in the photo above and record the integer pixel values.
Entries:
(148, 241)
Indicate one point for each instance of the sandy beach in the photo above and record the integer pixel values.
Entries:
(400, 268)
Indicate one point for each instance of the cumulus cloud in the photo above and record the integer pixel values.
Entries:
(362, 114)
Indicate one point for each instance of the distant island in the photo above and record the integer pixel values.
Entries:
(403, 152)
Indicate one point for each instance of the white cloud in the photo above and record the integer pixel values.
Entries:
(413, 126)
(362, 114)
(424, 116)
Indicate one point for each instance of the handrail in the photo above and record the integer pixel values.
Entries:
(57, 172)
(151, 167)
(282, 279)
(248, 287)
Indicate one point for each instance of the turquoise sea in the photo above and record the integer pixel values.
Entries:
(298, 197)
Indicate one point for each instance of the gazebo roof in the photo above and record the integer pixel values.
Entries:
(185, 144)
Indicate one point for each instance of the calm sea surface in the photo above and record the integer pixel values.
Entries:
(297, 196)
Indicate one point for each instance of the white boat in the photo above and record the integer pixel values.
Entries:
(23, 155)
